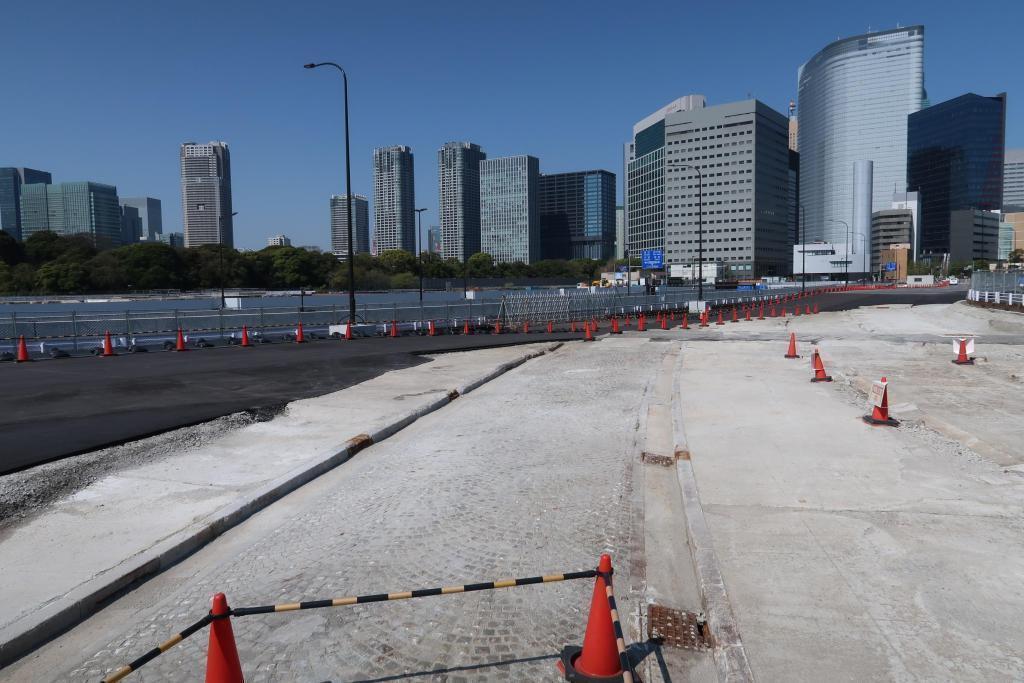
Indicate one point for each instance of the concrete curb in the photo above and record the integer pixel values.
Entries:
(730, 656)
(31, 631)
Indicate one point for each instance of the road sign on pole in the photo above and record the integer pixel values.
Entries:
(652, 259)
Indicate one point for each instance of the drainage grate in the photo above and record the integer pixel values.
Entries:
(676, 628)
(655, 459)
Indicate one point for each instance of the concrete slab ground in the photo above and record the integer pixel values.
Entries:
(851, 553)
(59, 564)
(533, 473)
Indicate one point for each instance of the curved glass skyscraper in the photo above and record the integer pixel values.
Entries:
(854, 98)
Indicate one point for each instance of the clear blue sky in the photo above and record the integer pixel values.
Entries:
(107, 91)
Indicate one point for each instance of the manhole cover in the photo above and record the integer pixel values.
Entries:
(676, 628)
(654, 459)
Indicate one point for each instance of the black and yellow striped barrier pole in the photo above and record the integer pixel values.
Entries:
(123, 671)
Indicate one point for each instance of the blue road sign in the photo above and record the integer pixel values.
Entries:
(890, 266)
(623, 269)
(652, 259)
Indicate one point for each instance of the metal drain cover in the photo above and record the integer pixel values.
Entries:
(676, 628)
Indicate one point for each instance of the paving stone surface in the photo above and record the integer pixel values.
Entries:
(530, 474)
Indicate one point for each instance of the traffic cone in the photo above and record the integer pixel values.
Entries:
(22, 351)
(807, 309)
(735, 318)
(746, 312)
(782, 313)
(672, 316)
(394, 329)
(300, 338)
(760, 312)
(180, 343)
(772, 312)
(880, 412)
(551, 326)
(961, 357)
(664, 323)
(348, 331)
(222, 665)
(587, 336)
(819, 368)
(431, 330)
(796, 310)
(108, 349)
(526, 327)
(497, 327)
(465, 327)
(815, 310)
(720, 321)
(686, 320)
(245, 336)
(641, 323)
(598, 659)
(572, 328)
(791, 352)
(703, 318)
(615, 326)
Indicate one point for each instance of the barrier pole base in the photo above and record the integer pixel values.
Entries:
(569, 655)
(826, 378)
(969, 361)
(890, 422)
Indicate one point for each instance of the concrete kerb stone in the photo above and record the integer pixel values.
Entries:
(24, 635)
(730, 656)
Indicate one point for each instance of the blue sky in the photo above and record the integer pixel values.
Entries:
(107, 91)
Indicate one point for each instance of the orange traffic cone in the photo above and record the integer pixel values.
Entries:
(300, 338)
(720, 321)
(431, 330)
(615, 326)
(348, 331)
(703, 318)
(815, 310)
(22, 351)
(465, 327)
(572, 328)
(526, 327)
(222, 665)
(819, 368)
(664, 323)
(746, 312)
(961, 357)
(497, 327)
(587, 336)
(796, 310)
(760, 312)
(641, 323)
(551, 326)
(108, 349)
(880, 406)
(245, 336)
(672, 316)
(598, 659)
(791, 351)
(394, 329)
(686, 320)
(807, 309)
(180, 343)
(735, 318)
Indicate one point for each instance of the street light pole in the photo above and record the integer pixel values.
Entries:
(220, 255)
(846, 260)
(348, 198)
(700, 224)
(419, 249)
(803, 249)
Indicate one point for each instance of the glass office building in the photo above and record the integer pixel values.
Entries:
(80, 208)
(577, 215)
(394, 199)
(11, 181)
(509, 209)
(339, 225)
(854, 98)
(458, 175)
(955, 156)
(1013, 180)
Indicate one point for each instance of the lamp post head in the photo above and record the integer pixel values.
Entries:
(309, 66)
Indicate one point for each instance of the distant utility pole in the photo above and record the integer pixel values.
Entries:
(419, 249)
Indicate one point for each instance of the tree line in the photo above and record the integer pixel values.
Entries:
(48, 263)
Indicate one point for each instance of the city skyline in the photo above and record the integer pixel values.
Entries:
(133, 147)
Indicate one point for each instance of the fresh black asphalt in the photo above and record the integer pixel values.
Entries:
(54, 408)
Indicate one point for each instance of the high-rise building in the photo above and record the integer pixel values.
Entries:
(1016, 221)
(910, 201)
(577, 215)
(339, 225)
(458, 179)
(11, 180)
(1013, 180)
(172, 239)
(77, 208)
(509, 209)
(206, 194)
(973, 235)
(394, 199)
(644, 161)
(889, 227)
(742, 151)
(131, 224)
(150, 214)
(434, 240)
(854, 98)
(794, 128)
(1007, 240)
(279, 241)
(955, 161)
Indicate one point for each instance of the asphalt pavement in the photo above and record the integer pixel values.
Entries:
(55, 408)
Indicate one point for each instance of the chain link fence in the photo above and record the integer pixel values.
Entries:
(1003, 287)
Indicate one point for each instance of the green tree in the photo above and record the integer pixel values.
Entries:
(480, 265)
(404, 281)
(45, 246)
(1016, 256)
(396, 261)
(63, 276)
(11, 251)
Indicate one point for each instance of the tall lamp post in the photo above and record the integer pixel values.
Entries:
(846, 260)
(348, 199)
(803, 249)
(419, 249)
(700, 224)
(220, 255)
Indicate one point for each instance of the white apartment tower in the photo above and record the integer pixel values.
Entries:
(394, 199)
(206, 194)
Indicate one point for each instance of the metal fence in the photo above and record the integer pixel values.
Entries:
(1008, 281)
(75, 326)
